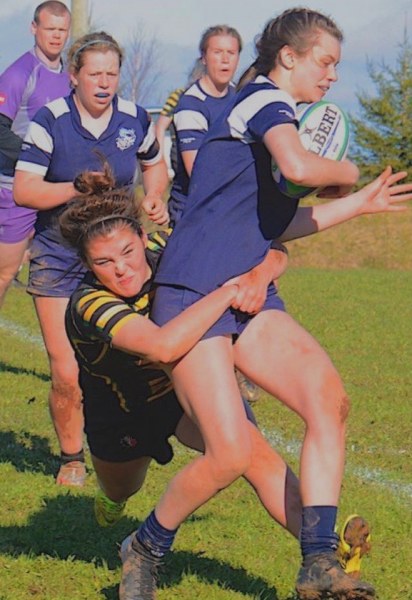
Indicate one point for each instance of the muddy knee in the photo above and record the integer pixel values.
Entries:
(65, 395)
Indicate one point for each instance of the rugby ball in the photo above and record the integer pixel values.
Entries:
(323, 129)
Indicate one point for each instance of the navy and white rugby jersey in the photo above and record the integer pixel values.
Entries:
(194, 114)
(234, 208)
(59, 148)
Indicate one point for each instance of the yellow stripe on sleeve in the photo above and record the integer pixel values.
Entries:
(89, 312)
(96, 294)
(122, 322)
(109, 313)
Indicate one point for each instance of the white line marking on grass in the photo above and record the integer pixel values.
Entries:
(374, 476)
(21, 332)
(382, 449)
(378, 476)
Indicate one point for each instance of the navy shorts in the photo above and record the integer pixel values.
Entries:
(119, 436)
(55, 271)
(170, 301)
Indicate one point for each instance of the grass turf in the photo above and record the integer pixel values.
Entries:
(50, 546)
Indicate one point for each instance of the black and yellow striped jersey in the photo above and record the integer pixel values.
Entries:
(93, 316)
(169, 106)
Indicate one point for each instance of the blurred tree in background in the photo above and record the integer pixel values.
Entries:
(382, 132)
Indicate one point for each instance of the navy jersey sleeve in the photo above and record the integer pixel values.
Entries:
(38, 145)
(259, 111)
(149, 150)
(191, 120)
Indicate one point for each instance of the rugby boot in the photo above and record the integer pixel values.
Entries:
(322, 576)
(354, 543)
(249, 390)
(106, 511)
(139, 571)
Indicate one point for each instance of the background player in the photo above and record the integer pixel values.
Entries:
(90, 120)
(197, 109)
(165, 120)
(201, 104)
(30, 82)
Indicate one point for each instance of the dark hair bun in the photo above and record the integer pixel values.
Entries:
(95, 182)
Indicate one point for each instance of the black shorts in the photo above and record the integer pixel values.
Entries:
(119, 436)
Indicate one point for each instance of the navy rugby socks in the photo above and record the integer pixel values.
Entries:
(154, 537)
(318, 530)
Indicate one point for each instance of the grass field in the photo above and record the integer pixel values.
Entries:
(50, 546)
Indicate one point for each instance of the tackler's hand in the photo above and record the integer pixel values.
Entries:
(155, 209)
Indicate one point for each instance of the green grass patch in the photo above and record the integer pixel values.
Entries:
(50, 546)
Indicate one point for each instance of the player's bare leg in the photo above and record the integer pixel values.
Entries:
(65, 395)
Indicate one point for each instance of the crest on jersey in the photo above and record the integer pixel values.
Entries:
(126, 138)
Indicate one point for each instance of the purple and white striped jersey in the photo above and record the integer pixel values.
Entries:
(25, 86)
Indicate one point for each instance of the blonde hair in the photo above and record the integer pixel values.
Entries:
(91, 42)
(218, 30)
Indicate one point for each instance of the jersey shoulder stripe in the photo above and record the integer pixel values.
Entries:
(195, 92)
(171, 103)
(126, 106)
(58, 107)
(40, 137)
(104, 305)
(190, 120)
(254, 99)
(157, 240)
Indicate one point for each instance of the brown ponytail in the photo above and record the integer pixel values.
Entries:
(295, 27)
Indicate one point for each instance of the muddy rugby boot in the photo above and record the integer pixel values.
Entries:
(322, 576)
(139, 571)
(248, 390)
(354, 543)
